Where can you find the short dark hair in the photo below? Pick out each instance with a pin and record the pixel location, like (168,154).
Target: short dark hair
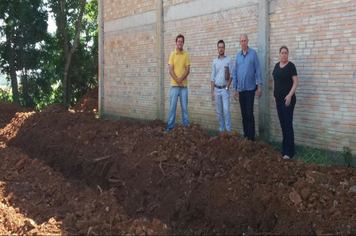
(220,41)
(284,47)
(180,36)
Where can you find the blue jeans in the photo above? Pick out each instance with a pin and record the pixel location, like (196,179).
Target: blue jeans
(285,115)
(247,99)
(222,103)
(183,97)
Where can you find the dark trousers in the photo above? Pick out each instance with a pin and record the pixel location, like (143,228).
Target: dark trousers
(247,99)
(285,115)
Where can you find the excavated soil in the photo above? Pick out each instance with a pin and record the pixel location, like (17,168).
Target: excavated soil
(66,172)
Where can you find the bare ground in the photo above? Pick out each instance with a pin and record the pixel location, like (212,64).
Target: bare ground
(65,172)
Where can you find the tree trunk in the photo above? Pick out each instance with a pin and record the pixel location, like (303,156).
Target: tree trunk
(27,98)
(66,84)
(14,86)
(68,51)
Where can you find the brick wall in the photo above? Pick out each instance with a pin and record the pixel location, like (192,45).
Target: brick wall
(321,36)
(201,35)
(130,64)
(114,9)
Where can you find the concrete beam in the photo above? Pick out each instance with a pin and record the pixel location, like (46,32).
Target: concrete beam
(160,60)
(101,59)
(202,7)
(130,22)
(175,12)
(263,55)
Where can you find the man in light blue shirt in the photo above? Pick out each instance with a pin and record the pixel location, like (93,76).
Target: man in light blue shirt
(220,83)
(246,68)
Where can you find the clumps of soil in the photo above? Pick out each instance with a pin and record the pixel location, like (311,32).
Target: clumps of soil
(10,130)
(74,173)
(89,103)
(53,108)
(8,112)
(37,200)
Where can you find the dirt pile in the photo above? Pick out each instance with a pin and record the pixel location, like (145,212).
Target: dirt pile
(8,111)
(38,200)
(10,130)
(89,103)
(193,183)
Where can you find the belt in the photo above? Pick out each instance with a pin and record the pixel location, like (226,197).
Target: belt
(220,87)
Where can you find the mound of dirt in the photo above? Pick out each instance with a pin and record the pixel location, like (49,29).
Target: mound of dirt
(8,111)
(37,200)
(194,183)
(11,129)
(89,103)
(53,108)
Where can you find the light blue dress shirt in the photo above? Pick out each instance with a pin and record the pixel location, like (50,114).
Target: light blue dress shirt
(246,67)
(218,71)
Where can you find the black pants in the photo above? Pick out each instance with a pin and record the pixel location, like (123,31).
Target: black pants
(285,115)
(247,99)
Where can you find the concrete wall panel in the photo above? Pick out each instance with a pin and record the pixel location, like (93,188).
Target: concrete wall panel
(201,35)
(130,73)
(321,39)
(321,36)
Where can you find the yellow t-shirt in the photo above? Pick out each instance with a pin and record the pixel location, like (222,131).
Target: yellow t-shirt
(179,61)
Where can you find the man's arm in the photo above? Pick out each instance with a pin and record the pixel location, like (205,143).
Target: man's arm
(257,69)
(186,73)
(212,82)
(212,91)
(174,76)
(259,75)
(234,80)
(231,74)
(229,82)
(234,76)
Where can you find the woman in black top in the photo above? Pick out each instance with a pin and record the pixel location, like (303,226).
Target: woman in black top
(285,83)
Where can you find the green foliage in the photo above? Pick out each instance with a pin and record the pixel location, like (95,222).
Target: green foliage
(313,155)
(42,92)
(25,26)
(346,153)
(308,154)
(321,156)
(5,94)
(83,71)
(40,56)
(84,68)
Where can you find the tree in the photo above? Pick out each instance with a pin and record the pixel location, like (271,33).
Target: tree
(25,25)
(82,71)
(69,48)
(59,67)
(7,48)
(84,68)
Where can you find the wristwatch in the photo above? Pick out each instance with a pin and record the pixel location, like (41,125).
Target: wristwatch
(226,88)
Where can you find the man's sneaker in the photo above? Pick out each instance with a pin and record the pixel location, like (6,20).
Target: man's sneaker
(285,157)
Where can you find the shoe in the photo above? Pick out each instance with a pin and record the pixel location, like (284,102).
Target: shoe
(286,157)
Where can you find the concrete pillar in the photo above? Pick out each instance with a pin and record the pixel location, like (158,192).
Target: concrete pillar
(101,58)
(263,55)
(160,60)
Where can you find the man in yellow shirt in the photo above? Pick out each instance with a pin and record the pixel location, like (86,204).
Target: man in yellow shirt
(179,68)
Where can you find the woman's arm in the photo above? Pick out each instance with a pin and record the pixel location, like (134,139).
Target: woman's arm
(292,91)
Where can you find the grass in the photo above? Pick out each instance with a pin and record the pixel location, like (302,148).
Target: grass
(314,155)
(348,159)
(321,156)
